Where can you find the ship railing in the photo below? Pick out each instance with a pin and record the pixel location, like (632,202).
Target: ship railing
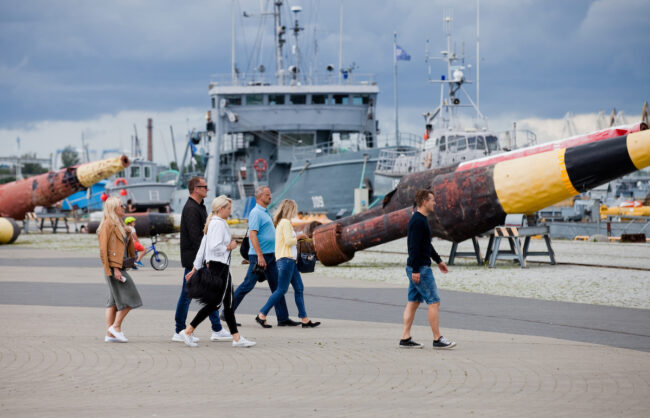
(406,139)
(398,161)
(260,79)
(519,138)
(305,152)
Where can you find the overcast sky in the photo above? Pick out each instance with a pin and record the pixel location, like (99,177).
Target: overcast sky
(73,66)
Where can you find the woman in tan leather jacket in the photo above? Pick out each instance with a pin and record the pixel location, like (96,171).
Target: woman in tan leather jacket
(116,244)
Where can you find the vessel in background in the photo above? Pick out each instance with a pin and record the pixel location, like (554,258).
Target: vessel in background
(309,135)
(455,131)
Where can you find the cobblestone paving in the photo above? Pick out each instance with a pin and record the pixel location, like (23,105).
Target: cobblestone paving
(53,362)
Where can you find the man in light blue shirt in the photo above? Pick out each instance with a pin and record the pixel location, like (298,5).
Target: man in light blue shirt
(262,251)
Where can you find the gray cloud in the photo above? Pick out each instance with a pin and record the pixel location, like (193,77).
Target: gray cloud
(74,59)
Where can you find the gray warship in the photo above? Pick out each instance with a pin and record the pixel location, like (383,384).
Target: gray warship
(310,136)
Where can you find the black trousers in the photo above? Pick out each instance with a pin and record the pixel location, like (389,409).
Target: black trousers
(217,269)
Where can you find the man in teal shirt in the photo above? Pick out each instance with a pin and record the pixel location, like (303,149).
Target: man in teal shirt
(262,251)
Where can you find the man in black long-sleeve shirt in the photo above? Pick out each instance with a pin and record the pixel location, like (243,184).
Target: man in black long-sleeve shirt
(422,285)
(192,222)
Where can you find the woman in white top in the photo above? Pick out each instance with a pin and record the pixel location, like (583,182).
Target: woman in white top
(216,288)
(286,254)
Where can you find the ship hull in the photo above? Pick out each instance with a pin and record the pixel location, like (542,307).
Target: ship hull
(327,185)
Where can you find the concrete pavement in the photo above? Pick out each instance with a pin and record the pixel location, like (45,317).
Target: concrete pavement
(53,361)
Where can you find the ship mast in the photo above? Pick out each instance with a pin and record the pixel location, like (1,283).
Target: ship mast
(279,42)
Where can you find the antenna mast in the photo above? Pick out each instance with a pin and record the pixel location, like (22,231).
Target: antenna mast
(478,58)
(296,31)
(340,42)
(232,47)
(279,41)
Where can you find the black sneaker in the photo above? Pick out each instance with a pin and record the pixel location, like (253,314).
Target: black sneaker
(409,343)
(443,343)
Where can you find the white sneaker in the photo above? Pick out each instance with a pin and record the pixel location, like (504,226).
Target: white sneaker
(108,339)
(177,337)
(243,342)
(187,339)
(119,336)
(222,335)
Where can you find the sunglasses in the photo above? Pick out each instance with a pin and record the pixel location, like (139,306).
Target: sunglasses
(203,187)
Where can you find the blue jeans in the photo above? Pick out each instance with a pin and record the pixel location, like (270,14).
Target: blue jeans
(183,306)
(426,290)
(287,273)
(251,280)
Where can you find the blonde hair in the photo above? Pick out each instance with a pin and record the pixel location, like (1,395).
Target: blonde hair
(110,214)
(218,203)
(286,210)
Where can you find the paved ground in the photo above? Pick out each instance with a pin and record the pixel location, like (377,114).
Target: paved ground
(53,361)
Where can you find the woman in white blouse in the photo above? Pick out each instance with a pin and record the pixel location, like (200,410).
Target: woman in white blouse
(215,250)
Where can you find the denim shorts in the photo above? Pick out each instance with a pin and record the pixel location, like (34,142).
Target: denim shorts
(426,290)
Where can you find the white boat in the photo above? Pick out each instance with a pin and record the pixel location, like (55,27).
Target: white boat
(451,137)
(145,185)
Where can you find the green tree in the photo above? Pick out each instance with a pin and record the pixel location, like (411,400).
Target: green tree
(69,157)
(32,168)
(200,163)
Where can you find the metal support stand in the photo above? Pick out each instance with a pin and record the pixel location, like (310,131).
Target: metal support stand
(549,251)
(52,216)
(517,253)
(455,253)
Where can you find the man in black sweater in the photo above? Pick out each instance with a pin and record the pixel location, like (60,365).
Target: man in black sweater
(192,222)
(422,285)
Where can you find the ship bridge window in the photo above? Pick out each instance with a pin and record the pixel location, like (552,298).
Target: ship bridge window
(276,99)
(319,99)
(147,172)
(461,143)
(298,99)
(233,100)
(254,99)
(360,99)
(340,99)
(443,146)
(135,171)
(214,102)
(492,142)
(476,142)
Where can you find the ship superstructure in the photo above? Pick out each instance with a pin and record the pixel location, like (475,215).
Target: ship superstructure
(455,131)
(309,137)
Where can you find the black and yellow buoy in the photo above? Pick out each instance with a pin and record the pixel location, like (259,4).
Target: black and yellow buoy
(9,230)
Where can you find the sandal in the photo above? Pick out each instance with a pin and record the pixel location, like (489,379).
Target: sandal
(310,324)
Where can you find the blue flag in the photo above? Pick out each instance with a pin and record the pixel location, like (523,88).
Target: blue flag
(401,54)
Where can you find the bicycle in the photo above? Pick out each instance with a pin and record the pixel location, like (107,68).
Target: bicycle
(159,259)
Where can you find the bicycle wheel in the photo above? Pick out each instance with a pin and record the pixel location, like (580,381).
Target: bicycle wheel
(159,262)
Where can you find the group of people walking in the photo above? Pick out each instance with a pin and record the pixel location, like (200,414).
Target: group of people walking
(206,246)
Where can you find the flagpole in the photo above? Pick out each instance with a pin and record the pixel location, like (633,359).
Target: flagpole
(395,86)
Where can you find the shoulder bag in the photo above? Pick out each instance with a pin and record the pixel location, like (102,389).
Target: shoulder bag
(306,257)
(245,246)
(206,287)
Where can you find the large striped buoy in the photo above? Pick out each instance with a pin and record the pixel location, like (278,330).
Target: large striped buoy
(9,230)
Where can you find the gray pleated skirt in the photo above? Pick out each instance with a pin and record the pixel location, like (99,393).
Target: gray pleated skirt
(122,295)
